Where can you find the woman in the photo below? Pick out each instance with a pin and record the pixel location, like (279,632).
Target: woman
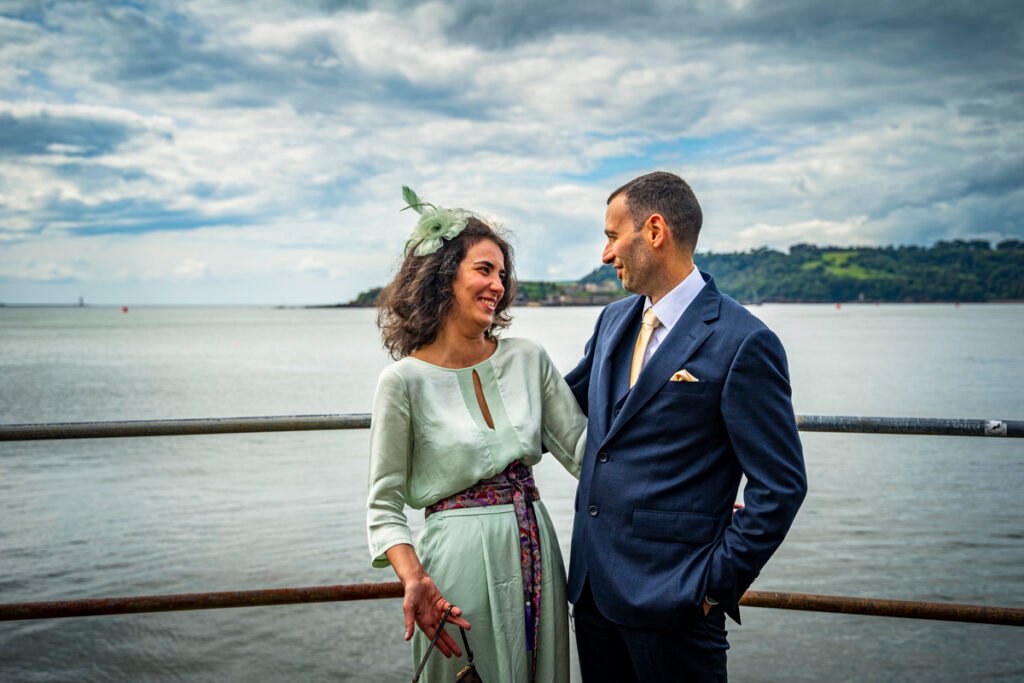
(457,423)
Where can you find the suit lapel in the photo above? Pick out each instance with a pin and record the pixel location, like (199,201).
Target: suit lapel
(687,335)
(610,367)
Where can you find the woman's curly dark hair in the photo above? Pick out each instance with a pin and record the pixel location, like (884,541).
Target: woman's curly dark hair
(412,308)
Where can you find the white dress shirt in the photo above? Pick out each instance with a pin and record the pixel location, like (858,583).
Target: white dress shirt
(671,308)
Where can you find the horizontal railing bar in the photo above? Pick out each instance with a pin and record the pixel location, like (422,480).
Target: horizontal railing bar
(980,614)
(60,609)
(911,425)
(877,607)
(290,423)
(213,425)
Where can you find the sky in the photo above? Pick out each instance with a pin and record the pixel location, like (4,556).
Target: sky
(221,152)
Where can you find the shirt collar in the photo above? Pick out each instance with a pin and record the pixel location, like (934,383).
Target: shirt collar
(670,308)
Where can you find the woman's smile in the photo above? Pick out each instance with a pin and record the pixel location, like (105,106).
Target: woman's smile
(489,302)
(478,286)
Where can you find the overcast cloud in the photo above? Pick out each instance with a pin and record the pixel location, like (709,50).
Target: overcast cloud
(221,152)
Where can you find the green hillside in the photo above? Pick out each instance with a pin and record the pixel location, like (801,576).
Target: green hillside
(947,271)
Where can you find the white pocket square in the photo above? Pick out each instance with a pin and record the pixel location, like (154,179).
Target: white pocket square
(683,376)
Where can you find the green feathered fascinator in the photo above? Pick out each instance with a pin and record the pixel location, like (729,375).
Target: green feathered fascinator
(436,224)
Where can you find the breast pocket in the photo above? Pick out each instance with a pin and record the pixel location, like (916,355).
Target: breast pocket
(688,402)
(686,388)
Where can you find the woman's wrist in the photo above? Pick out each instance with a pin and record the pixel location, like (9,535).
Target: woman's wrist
(406,564)
(413,577)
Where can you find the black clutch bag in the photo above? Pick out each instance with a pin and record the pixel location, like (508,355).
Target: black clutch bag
(468,673)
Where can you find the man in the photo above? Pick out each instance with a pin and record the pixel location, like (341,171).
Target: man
(679,408)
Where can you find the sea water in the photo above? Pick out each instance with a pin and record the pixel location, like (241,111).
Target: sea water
(899,517)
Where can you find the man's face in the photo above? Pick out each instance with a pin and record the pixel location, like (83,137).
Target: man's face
(626,250)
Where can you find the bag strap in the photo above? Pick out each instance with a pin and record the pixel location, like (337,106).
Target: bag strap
(465,641)
(433,642)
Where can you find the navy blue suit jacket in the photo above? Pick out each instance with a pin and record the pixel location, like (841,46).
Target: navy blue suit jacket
(654,530)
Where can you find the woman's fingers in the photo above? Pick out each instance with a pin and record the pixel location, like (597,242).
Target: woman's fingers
(450,645)
(458,621)
(445,644)
(410,620)
(425,606)
(430,620)
(455,617)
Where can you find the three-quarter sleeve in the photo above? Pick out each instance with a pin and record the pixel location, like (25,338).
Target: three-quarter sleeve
(390,450)
(563,425)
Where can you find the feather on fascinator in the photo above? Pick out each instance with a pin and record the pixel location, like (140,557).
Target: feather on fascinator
(436,224)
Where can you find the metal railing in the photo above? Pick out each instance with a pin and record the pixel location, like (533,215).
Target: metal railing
(941,611)
(984,614)
(296,423)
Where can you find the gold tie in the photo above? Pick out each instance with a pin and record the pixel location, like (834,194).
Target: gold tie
(647,326)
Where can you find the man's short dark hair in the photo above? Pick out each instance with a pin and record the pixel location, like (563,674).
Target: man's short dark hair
(669,195)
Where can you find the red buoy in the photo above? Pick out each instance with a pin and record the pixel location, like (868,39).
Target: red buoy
(124,309)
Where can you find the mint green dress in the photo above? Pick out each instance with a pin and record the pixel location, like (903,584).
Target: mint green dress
(429,440)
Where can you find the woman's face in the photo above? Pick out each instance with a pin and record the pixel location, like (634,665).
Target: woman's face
(477,286)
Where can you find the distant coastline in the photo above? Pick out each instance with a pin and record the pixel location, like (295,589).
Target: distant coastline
(947,272)
(958,271)
(7,305)
(590,302)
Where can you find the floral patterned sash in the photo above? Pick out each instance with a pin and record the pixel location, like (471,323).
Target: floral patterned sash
(513,485)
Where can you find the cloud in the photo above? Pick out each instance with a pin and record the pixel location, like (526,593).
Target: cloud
(191,269)
(316,267)
(33,271)
(269,139)
(837,233)
(68,130)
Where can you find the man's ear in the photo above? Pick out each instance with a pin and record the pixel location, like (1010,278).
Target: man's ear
(657,231)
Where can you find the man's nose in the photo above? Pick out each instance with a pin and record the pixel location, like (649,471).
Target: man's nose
(607,256)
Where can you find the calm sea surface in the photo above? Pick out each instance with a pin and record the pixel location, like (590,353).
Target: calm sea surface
(920,518)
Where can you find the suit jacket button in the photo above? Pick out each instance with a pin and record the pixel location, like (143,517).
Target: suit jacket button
(592,510)
(602,456)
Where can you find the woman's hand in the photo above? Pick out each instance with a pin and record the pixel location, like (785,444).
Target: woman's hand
(423,604)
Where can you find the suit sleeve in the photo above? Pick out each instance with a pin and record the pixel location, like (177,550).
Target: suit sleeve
(758,412)
(579,377)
